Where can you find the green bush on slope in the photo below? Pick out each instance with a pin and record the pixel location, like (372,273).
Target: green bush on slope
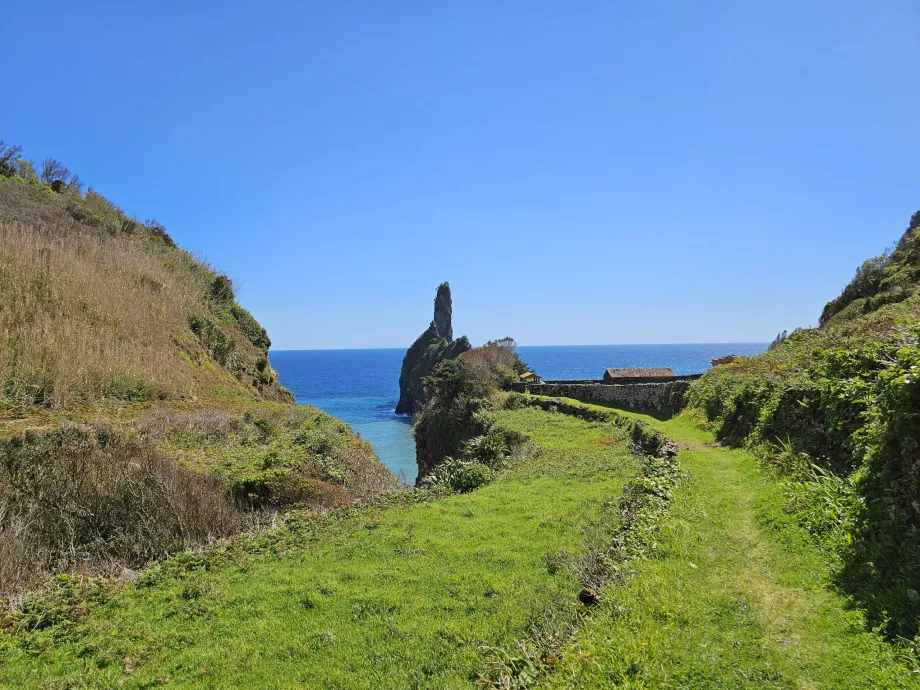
(457,394)
(846,396)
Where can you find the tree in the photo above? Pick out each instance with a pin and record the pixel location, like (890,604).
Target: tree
(56,174)
(26,170)
(75,184)
(9,159)
(222,290)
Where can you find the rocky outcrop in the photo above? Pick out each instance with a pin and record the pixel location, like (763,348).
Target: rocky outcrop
(434,345)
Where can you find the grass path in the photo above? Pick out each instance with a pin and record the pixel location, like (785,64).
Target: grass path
(406,596)
(737,597)
(401,597)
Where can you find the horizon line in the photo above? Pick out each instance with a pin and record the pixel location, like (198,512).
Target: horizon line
(356,349)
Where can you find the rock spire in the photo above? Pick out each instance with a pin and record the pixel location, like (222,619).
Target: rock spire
(431,347)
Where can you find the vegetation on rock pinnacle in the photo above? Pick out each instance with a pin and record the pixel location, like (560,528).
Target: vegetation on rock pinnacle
(433,346)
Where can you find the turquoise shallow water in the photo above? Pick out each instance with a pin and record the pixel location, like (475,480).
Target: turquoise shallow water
(362,386)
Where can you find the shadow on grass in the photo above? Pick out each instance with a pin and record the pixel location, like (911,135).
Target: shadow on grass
(881,567)
(654,414)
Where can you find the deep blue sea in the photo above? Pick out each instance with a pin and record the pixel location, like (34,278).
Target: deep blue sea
(362,386)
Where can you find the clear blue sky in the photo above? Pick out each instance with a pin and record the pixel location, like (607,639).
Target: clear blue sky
(581,172)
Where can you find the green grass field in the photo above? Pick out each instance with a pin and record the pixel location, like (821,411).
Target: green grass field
(424,594)
(737,597)
(399,597)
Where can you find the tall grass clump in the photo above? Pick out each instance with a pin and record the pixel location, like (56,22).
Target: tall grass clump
(99,306)
(97,499)
(87,317)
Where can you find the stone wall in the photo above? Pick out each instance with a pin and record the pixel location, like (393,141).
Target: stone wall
(660,397)
(628,380)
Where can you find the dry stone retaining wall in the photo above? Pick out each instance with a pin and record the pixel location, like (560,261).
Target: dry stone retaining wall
(660,397)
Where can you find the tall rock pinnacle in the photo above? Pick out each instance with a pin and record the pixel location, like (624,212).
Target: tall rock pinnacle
(442,312)
(431,347)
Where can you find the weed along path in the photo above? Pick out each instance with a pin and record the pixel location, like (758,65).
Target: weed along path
(403,596)
(736,597)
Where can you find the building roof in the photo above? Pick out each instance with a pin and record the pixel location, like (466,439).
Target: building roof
(727,359)
(528,375)
(648,372)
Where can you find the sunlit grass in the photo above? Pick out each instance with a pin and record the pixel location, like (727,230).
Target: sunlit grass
(398,597)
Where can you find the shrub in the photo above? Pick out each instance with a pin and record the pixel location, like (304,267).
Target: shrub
(457,391)
(314,440)
(458,475)
(866,282)
(782,337)
(218,344)
(9,159)
(221,290)
(850,413)
(253,330)
(494,365)
(283,487)
(489,450)
(158,231)
(97,497)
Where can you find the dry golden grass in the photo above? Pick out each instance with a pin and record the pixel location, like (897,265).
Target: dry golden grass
(88,316)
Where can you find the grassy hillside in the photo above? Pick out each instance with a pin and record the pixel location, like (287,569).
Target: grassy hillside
(837,409)
(98,306)
(416,593)
(139,414)
(169,517)
(582,564)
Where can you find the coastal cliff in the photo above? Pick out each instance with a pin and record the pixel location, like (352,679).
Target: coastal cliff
(139,412)
(433,346)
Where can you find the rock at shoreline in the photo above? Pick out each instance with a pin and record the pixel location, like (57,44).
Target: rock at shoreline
(431,347)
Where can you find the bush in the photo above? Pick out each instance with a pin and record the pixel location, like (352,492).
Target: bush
(457,391)
(221,290)
(494,365)
(218,344)
(99,498)
(253,330)
(315,440)
(284,487)
(157,230)
(458,475)
(9,163)
(489,450)
(851,437)
(866,282)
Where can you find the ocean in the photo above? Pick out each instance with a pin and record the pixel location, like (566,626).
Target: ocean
(361,387)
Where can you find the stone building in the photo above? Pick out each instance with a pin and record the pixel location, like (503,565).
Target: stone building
(612,376)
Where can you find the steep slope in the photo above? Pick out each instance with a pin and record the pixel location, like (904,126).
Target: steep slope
(433,346)
(836,408)
(101,307)
(139,413)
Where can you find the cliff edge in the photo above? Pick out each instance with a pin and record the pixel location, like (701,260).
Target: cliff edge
(434,345)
